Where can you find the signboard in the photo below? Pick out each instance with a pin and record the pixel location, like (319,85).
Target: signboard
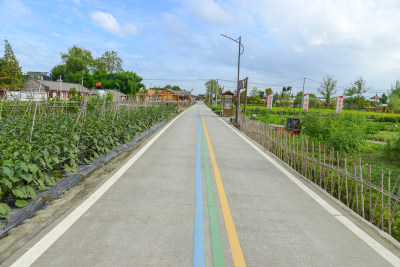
(306,100)
(270,96)
(243,84)
(339,104)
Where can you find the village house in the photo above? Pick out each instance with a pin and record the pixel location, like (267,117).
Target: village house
(38,75)
(164,96)
(42,89)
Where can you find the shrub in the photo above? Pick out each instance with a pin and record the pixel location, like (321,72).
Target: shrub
(393,147)
(344,132)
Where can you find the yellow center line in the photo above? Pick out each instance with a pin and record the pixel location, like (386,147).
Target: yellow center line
(237,255)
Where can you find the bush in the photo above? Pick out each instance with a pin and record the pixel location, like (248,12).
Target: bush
(373,128)
(393,147)
(343,132)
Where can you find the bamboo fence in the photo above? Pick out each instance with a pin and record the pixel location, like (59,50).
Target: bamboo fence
(374,198)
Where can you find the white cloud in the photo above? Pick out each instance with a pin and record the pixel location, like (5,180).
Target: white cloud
(108,23)
(209,11)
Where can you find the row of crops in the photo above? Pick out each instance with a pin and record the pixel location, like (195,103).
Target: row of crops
(376,117)
(38,145)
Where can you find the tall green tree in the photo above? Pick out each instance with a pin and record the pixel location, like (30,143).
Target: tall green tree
(384,98)
(286,90)
(356,92)
(109,62)
(394,97)
(328,89)
(212,87)
(56,71)
(254,96)
(77,60)
(10,71)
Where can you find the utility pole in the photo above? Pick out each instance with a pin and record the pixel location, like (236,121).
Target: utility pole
(216,92)
(302,97)
(239,41)
(238,89)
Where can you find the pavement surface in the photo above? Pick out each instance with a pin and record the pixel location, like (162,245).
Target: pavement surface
(199,194)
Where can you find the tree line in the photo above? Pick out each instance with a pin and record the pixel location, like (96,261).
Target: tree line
(77,66)
(354,95)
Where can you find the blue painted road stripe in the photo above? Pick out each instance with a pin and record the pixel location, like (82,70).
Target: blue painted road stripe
(198,242)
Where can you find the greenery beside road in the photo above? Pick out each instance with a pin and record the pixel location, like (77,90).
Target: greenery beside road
(37,148)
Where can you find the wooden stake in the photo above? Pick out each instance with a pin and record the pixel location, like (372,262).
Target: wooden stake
(362,190)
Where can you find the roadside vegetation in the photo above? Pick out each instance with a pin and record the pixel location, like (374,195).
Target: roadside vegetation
(42,141)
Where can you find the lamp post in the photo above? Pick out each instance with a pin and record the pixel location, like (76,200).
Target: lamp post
(239,41)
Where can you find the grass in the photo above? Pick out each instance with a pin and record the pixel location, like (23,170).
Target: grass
(375,155)
(383,136)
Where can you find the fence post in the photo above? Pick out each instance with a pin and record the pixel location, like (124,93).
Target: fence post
(362,190)
(345,180)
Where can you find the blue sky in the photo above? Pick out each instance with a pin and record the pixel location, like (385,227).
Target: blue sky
(179,41)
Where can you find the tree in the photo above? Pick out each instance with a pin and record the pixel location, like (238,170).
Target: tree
(327,89)
(268,90)
(394,102)
(56,71)
(396,88)
(77,60)
(286,90)
(360,87)
(356,93)
(212,87)
(176,88)
(254,95)
(383,99)
(394,97)
(10,71)
(312,100)
(298,98)
(109,62)
(275,99)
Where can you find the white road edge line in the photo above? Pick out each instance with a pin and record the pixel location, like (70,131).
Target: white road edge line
(375,245)
(43,244)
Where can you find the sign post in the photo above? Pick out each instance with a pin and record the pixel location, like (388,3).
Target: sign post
(245,94)
(270,96)
(339,104)
(306,100)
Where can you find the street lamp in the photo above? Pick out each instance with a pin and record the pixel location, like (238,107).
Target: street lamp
(239,41)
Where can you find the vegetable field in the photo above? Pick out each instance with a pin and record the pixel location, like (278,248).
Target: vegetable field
(41,141)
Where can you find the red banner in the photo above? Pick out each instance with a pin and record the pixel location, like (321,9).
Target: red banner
(305,104)
(339,104)
(270,95)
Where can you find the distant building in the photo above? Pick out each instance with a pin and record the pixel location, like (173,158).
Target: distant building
(38,75)
(49,89)
(164,96)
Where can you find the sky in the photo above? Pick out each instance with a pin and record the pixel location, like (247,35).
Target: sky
(179,42)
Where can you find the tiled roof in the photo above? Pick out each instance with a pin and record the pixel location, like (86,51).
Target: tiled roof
(63,86)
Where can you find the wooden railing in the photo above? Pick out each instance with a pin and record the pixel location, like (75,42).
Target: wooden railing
(349,180)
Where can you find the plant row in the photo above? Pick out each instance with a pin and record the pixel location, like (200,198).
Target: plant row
(37,150)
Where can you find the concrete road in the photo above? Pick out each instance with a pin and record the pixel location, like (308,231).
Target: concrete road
(201,195)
